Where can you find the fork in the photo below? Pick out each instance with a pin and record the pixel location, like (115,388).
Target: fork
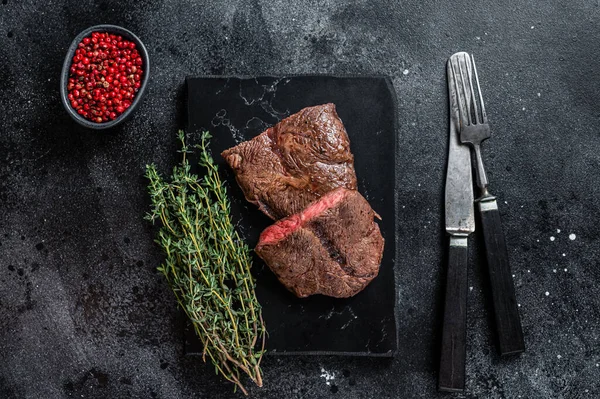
(474,129)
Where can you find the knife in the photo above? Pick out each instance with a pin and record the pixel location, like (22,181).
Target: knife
(460,222)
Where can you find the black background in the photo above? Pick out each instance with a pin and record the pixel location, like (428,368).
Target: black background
(82,310)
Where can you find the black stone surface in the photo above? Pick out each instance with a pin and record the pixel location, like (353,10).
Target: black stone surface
(235,110)
(82,310)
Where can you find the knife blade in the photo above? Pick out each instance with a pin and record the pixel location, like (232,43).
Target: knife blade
(460,222)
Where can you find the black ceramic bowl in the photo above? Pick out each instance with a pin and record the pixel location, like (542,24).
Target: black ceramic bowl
(64,78)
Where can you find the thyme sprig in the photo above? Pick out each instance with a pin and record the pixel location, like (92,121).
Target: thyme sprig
(207,264)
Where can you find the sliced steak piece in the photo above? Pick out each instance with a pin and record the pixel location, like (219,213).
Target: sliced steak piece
(333,247)
(294,162)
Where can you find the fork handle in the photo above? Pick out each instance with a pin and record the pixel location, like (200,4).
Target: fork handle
(454,330)
(508,321)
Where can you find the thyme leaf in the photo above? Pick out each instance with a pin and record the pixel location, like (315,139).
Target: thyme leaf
(207,264)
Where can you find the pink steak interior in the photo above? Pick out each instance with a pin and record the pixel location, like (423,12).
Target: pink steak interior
(284,227)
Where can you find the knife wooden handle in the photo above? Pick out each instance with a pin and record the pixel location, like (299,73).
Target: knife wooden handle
(508,321)
(454,333)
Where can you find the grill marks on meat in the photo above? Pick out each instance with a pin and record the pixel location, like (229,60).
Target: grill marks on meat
(293,163)
(320,232)
(333,247)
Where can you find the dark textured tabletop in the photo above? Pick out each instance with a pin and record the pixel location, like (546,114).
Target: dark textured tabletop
(83,312)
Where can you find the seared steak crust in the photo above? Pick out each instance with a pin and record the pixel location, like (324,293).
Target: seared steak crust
(294,162)
(333,247)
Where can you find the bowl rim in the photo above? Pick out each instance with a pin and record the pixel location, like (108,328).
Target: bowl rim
(64,78)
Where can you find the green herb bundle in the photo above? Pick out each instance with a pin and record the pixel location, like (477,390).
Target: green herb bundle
(208,265)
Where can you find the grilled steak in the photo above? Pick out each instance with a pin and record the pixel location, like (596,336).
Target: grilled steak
(293,163)
(333,247)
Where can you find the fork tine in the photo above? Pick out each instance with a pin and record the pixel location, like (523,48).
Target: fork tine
(468,108)
(483,114)
(460,104)
(473,99)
